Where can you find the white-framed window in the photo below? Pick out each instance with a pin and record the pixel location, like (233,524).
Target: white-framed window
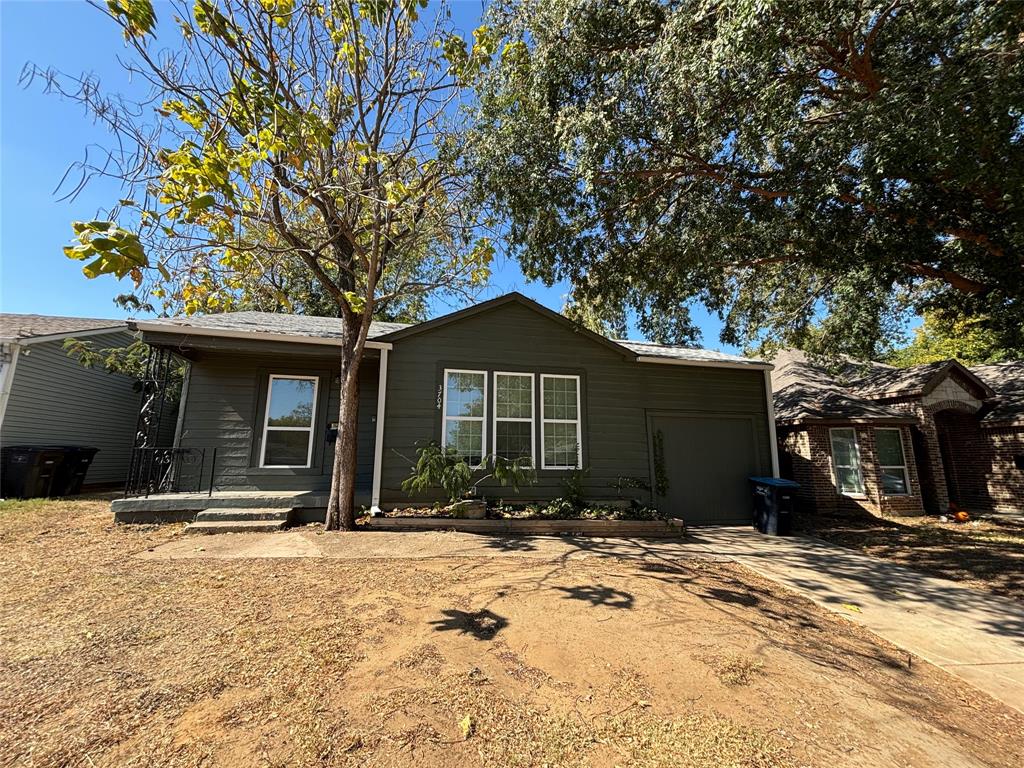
(464,408)
(288,421)
(561,446)
(513,415)
(892,462)
(846,460)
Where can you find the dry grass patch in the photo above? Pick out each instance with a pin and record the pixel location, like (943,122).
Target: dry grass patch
(735,669)
(108,659)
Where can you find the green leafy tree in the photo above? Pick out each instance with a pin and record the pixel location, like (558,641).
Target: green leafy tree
(946,338)
(791,165)
(332,124)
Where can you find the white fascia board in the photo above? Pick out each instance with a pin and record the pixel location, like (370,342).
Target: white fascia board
(706,363)
(772,436)
(72,335)
(187,330)
(7,378)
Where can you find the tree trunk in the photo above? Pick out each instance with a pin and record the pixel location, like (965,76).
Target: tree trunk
(341,505)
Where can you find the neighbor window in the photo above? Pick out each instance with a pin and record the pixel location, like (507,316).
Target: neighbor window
(846,461)
(560,422)
(289,420)
(465,397)
(513,415)
(889,443)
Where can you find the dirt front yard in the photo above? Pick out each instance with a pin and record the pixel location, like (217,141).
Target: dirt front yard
(987,552)
(107,659)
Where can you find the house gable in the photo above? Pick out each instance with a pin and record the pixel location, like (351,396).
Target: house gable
(514,305)
(952,388)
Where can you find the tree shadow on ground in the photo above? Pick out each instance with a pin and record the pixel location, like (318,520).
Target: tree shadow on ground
(599,595)
(511,544)
(483,625)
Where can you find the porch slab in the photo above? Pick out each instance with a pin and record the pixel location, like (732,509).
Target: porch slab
(183,507)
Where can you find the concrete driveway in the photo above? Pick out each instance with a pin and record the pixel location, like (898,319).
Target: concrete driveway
(971,634)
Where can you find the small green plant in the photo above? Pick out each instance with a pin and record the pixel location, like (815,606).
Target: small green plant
(623,483)
(447,470)
(572,488)
(660,473)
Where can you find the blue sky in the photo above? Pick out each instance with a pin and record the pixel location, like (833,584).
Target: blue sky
(42,136)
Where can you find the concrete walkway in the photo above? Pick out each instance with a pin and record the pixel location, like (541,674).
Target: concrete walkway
(976,636)
(971,634)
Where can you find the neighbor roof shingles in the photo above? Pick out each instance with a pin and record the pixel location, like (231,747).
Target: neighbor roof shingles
(1007,379)
(16,327)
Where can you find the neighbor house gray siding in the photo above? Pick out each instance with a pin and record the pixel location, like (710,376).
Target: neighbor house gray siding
(225,406)
(616,396)
(56,401)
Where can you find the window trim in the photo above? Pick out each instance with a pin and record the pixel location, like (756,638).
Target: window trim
(578,421)
(445,418)
(533,413)
(835,466)
(311,429)
(903,467)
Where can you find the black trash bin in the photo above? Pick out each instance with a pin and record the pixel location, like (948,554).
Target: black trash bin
(29,471)
(71,472)
(773,504)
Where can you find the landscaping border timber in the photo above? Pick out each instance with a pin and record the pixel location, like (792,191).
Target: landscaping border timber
(655,529)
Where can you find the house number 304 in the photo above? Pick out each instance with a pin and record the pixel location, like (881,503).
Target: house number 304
(440,391)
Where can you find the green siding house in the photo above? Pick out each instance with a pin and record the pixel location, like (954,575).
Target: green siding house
(48,398)
(507,376)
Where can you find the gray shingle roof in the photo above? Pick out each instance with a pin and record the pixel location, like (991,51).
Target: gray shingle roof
(328,327)
(649,349)
(1007,379)
(270,322)
(18,327)
(799,402)
(804,391)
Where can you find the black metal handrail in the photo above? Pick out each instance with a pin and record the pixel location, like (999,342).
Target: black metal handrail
(154,471)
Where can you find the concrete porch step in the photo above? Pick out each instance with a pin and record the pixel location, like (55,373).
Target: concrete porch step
(244,513)
(241,520)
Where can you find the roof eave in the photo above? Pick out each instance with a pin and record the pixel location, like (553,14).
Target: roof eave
(225,333)
(753,365)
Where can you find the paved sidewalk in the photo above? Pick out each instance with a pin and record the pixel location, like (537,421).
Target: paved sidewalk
(963,630)
(977,636)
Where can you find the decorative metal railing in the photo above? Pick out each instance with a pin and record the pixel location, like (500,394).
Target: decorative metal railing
(154,471)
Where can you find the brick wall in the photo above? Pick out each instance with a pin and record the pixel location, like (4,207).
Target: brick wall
(808,460)
(982,474)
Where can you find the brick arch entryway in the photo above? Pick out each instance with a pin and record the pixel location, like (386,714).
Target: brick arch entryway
(959,441)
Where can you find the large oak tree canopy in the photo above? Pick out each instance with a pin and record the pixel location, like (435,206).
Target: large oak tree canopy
(809,170)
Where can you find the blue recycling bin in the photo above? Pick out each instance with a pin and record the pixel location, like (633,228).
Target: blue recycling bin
(773,504)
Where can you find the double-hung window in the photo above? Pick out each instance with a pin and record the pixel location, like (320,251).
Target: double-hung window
(288,421)
(891,462)
(513,415)
(560,422)
(846,461)
(465,414)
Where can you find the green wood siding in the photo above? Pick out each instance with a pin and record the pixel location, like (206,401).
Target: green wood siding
(616,394)
(55,400)
(225,408)
(225,402)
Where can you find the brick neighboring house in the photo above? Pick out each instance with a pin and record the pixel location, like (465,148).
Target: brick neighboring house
(901,441)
